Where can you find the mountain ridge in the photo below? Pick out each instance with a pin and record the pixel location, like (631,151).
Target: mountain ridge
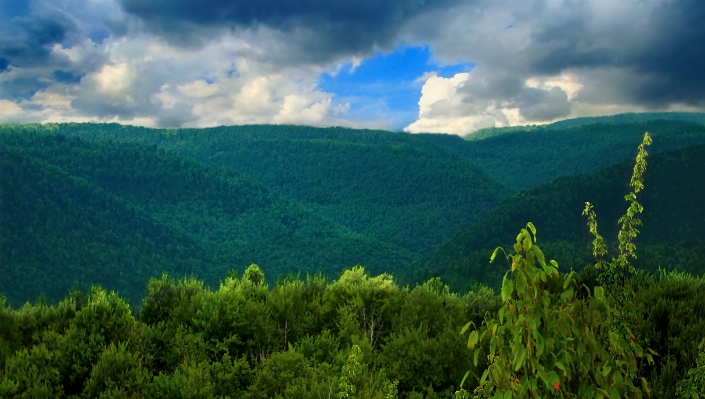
(669,237)
(138,213)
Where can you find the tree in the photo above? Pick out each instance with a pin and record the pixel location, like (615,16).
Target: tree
(693,385)
(613,275)
(553,343)
(545,343)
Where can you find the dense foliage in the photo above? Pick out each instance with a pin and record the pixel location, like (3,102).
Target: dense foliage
(359,335)
(396,188)
(554,345)
(574,338)
(77,213)
(243,340)
(669,238)
(551,152)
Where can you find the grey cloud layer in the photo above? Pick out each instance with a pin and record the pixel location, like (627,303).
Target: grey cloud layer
(662,45)
(318,30)
(646,54)
(643,54)
(29,30)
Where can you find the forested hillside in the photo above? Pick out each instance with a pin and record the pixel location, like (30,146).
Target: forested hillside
(670,238)
(394,187)
(75,213)
(619,119)
(550,152)
(78,213)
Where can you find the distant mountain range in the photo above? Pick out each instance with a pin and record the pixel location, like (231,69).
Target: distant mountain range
(523,159)
(619,119)
(75,213)
(110,204)
(397,188)
(670,237)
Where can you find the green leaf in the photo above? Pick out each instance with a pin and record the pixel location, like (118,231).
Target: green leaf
(476,357)
(540,256)
(508,394)
(520,359)
(540,343)
(526,243)
(493,346)
(645,386)
(568,279)
(494,254)
(472,340)
(560,366)
(606,371)
(464,378)
(532,228)
(507,288)
(649,358)
(465,328)
(553,378)
(638,350)
(617,379)
(599,292)
(520,283)
(483,379)
(567,295)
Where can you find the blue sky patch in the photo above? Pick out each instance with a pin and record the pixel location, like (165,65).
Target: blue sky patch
(384,87)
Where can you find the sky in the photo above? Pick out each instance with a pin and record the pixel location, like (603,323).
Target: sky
(437,66)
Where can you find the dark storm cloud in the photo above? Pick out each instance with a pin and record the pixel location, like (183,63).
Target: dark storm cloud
(616,56)
(664,50)
(676,54)
(29,32)
(26,41)
(319,29)
(543,105)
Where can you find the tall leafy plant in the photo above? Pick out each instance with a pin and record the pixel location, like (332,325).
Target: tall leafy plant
(613,274)
(544,344)
(548,342)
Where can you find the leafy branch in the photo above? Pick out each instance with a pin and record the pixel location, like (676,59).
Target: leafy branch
(613,274)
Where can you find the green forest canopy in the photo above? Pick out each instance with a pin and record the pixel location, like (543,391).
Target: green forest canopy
(296,339)
(393,187)
(669,238)
(78,213)
(552,152)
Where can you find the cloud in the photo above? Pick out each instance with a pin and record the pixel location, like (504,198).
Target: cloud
(89,61)
(9,110)
(314,30)
(543,61)
(479,99)
(184,63)
(40,43)
(443,107)
(149,82)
